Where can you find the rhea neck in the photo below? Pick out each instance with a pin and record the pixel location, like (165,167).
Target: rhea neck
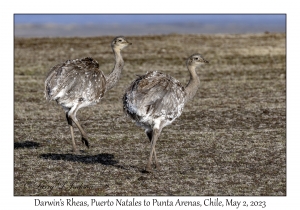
(115,74)
(193,84)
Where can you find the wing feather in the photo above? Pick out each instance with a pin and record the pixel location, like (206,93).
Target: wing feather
(155,94)
(78,79)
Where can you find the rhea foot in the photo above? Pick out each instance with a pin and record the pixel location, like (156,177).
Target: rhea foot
(85,141)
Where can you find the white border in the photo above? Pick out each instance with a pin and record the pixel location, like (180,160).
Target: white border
(154,6)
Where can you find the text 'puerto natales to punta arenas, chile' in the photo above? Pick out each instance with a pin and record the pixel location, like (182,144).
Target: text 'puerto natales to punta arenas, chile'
(149,202)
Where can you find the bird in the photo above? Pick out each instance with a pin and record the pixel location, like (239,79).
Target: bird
(154,100)
(79,83)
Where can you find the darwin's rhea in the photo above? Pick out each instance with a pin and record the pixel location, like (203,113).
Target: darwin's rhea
(78,83)
(155,100)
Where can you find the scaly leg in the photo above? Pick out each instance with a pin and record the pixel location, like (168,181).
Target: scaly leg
(72,132)
(72,115)
(149,134)
(155,135)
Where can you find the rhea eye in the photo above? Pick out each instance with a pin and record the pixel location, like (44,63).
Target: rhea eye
(196,58)
(120,40)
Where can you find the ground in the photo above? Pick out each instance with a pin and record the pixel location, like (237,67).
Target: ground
(229,140)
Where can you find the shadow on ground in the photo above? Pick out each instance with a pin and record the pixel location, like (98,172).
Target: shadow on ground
(105,159)
(26,145)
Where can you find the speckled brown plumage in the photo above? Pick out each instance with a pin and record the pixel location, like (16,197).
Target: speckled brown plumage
(73,80)
(78,83)
(154,94)
(155,100)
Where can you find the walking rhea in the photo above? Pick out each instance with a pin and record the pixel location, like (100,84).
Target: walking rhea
(78,83)
(155,100)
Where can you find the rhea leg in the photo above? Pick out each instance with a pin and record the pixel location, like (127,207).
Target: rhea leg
(72,132)
(155,135)
(149,134)
(72,115)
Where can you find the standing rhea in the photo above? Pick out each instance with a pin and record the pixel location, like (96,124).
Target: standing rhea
(155,100)
(79,83)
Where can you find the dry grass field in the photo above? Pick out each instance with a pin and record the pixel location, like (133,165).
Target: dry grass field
(230,139)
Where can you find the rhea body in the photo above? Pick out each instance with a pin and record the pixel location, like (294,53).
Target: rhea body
(155,100)
(78,83)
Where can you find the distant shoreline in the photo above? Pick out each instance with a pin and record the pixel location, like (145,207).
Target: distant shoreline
(71,30)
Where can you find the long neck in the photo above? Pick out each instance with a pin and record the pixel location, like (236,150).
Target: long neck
(193,84)
(115,75)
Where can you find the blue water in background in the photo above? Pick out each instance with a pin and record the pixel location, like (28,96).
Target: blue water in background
(151,18)
(130,24)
